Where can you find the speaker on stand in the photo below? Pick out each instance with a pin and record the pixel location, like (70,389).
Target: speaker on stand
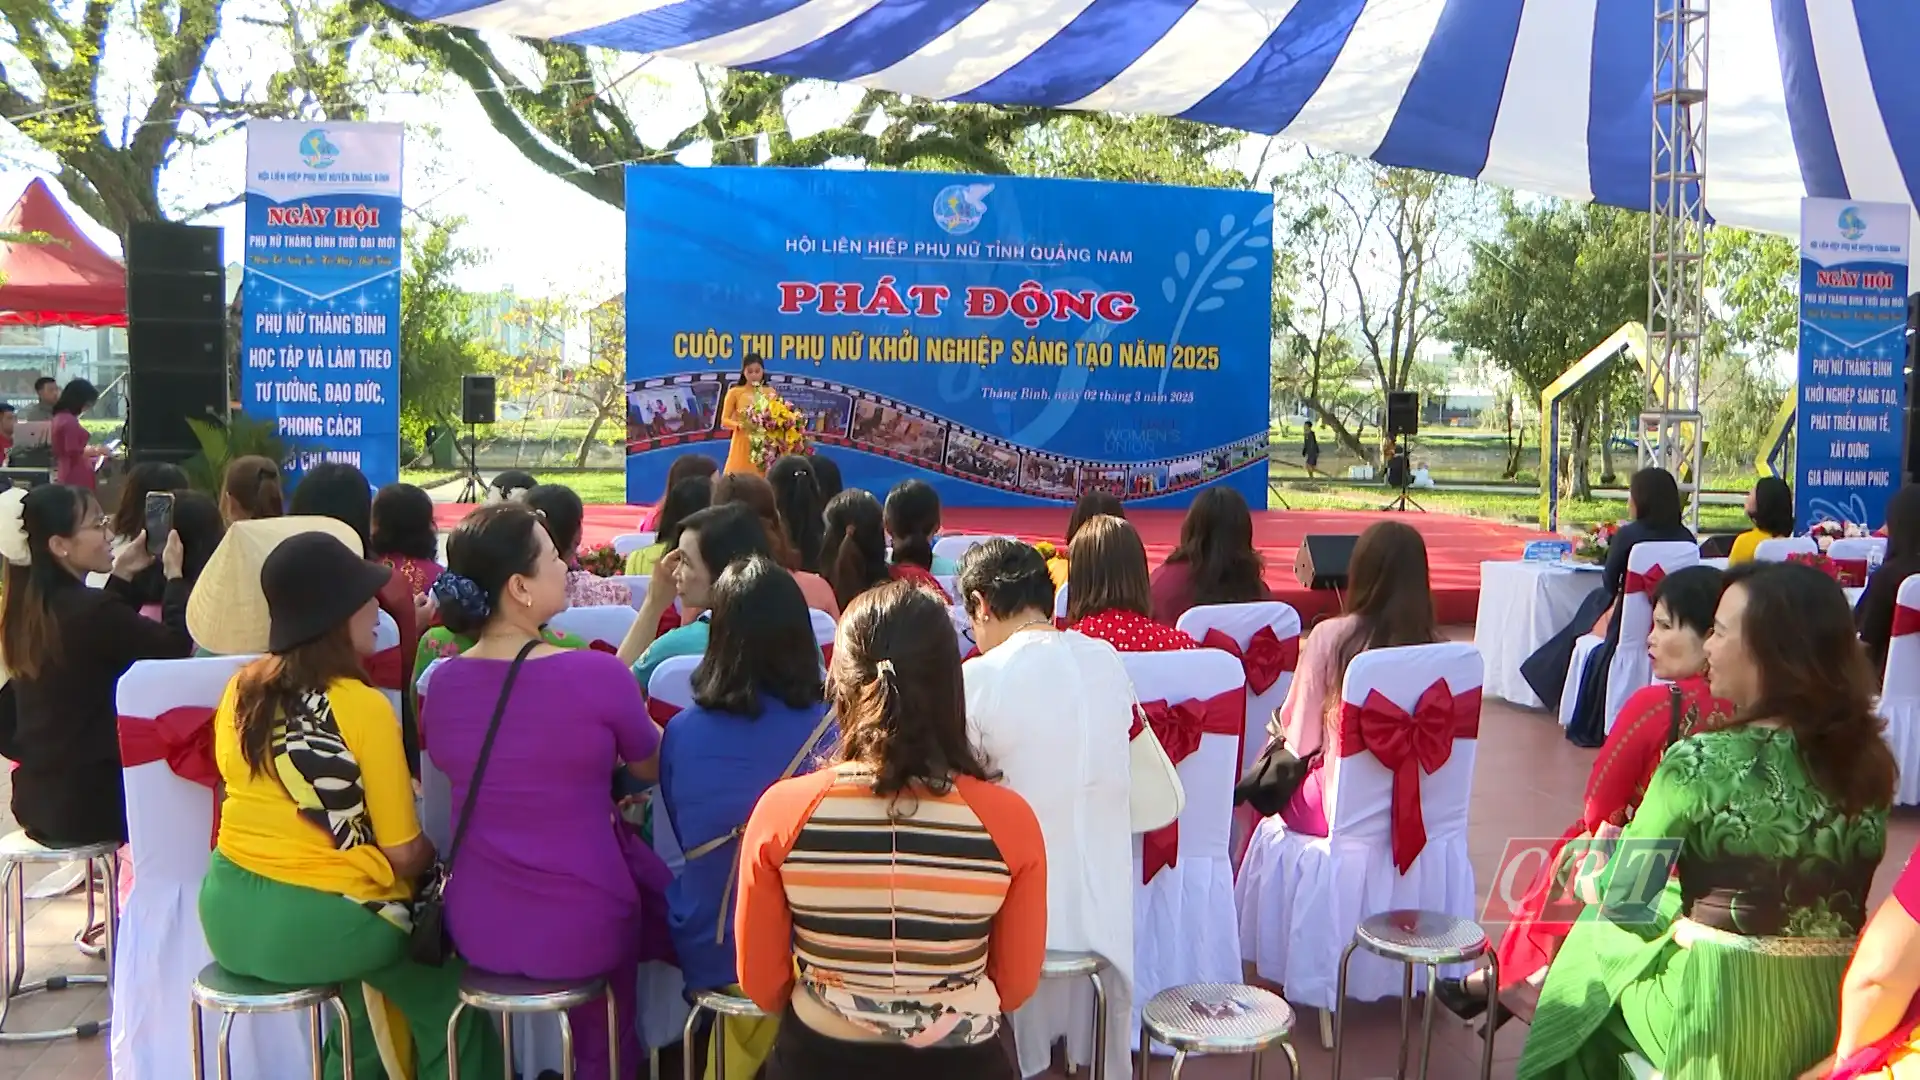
(476,408)
(176,338)
(1403,423)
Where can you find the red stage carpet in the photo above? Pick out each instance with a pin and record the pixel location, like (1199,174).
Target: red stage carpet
(1455,545)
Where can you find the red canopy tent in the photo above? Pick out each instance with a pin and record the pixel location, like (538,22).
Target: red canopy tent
(61,278)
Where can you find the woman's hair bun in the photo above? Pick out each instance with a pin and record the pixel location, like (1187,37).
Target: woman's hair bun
(463,603)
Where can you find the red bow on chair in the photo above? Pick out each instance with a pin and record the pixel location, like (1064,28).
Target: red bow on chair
(1851,573)
(183,738)
(1647,582)
(661,711)
(385,669)
(607,647)
(1265,658)
(1408,745)
(1906,620)
(1179,729)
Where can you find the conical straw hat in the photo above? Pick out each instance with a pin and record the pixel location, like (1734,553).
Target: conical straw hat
(227,613)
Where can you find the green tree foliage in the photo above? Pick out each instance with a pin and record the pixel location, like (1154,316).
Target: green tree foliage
(1751,340)
(439,336)
(116,95)
(570,110)
(1371,254)
(1141,150)
(1555,281)
(551,366)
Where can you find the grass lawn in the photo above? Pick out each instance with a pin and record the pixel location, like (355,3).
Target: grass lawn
(594,485)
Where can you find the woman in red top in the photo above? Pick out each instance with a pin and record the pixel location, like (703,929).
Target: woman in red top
(913,517)
(405,536)
(1215,563)
(1650,721)
(72,458)
(1107,592)
(1880,997)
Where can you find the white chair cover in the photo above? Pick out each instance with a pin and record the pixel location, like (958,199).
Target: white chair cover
(1900,695)
(161,946)
(1631,670)
(1060,606)
(1300,897)
(954,547)
(1184,930)
(962,629)
(1570,693)
(949,584)
(1240,622)
(1866,548)
(628,543)
(386,635)
(1779,548)
(608,623)
(823,627)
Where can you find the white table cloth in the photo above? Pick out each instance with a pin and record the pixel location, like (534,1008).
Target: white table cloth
(1522,604)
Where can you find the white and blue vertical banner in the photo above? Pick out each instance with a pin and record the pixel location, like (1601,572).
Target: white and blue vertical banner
(320,347)
(1850,407)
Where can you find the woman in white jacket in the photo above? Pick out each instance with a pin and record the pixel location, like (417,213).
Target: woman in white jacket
(1053,711)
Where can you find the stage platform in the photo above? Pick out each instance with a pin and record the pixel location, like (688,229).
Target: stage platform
(1456,545)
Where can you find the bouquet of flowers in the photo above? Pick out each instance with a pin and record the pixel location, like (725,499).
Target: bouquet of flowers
(603,561)
(773,430)
(1825,533)
(1819,562)
(1594,546)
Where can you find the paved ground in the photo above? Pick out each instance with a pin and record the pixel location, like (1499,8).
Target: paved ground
(1528,784)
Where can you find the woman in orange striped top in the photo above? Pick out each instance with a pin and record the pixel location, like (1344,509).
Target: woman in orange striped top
(893,906)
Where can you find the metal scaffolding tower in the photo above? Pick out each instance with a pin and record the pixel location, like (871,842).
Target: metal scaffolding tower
(1671,431)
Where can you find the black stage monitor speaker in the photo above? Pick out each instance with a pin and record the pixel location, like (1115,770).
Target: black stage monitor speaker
(1322,561)
(176,337)
(1403,413)
(476,399)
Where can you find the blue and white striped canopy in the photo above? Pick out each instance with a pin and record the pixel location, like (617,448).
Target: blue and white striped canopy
(1807,97)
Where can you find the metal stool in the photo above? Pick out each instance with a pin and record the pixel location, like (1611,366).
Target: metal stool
(508,996)
(230,995)
(16,852)
(1423,939)
(1216,1018)
(721,1006)
(1073,965)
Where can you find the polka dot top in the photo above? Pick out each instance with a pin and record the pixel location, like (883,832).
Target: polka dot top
(1129,631)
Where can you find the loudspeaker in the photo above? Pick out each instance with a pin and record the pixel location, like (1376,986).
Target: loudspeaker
(176,337)
(476,399)
(1403,413)
(1322,561)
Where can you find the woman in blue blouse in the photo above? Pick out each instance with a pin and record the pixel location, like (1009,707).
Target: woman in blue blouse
(758,717)
(710,541)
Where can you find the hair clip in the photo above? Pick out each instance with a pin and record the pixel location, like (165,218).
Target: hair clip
(884,669)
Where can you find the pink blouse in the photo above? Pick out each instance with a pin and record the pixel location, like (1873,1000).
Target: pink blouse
(586,589)
(71,465)
(1316,680)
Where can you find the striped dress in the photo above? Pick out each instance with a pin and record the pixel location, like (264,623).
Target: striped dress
(913,921)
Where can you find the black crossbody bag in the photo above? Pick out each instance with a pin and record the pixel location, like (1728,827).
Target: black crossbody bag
(430,943)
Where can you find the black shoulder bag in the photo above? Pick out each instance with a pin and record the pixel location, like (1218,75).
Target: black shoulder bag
(429,943)
(1275,777)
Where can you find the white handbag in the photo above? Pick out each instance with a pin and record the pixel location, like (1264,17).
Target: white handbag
(1155,796)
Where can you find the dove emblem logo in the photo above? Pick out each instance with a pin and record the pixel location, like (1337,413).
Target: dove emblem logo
(959,207)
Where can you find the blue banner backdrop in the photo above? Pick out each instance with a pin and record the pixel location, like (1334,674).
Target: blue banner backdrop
(1850,420)
(1012,341)
(320,338)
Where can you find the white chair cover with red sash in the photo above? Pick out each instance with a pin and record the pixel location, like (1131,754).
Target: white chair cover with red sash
(1647,565)
(607,623)
(1265,635)
(823,631)
(1854,555)
(1900,693)
(637,585)
(1781,548)
(670,687)
(1060,606)
(626,544)
(1183,916)
(956,547)
(384,667)
(1396,805)
(166,744)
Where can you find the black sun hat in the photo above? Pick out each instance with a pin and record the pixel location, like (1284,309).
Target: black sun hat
(313,583)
